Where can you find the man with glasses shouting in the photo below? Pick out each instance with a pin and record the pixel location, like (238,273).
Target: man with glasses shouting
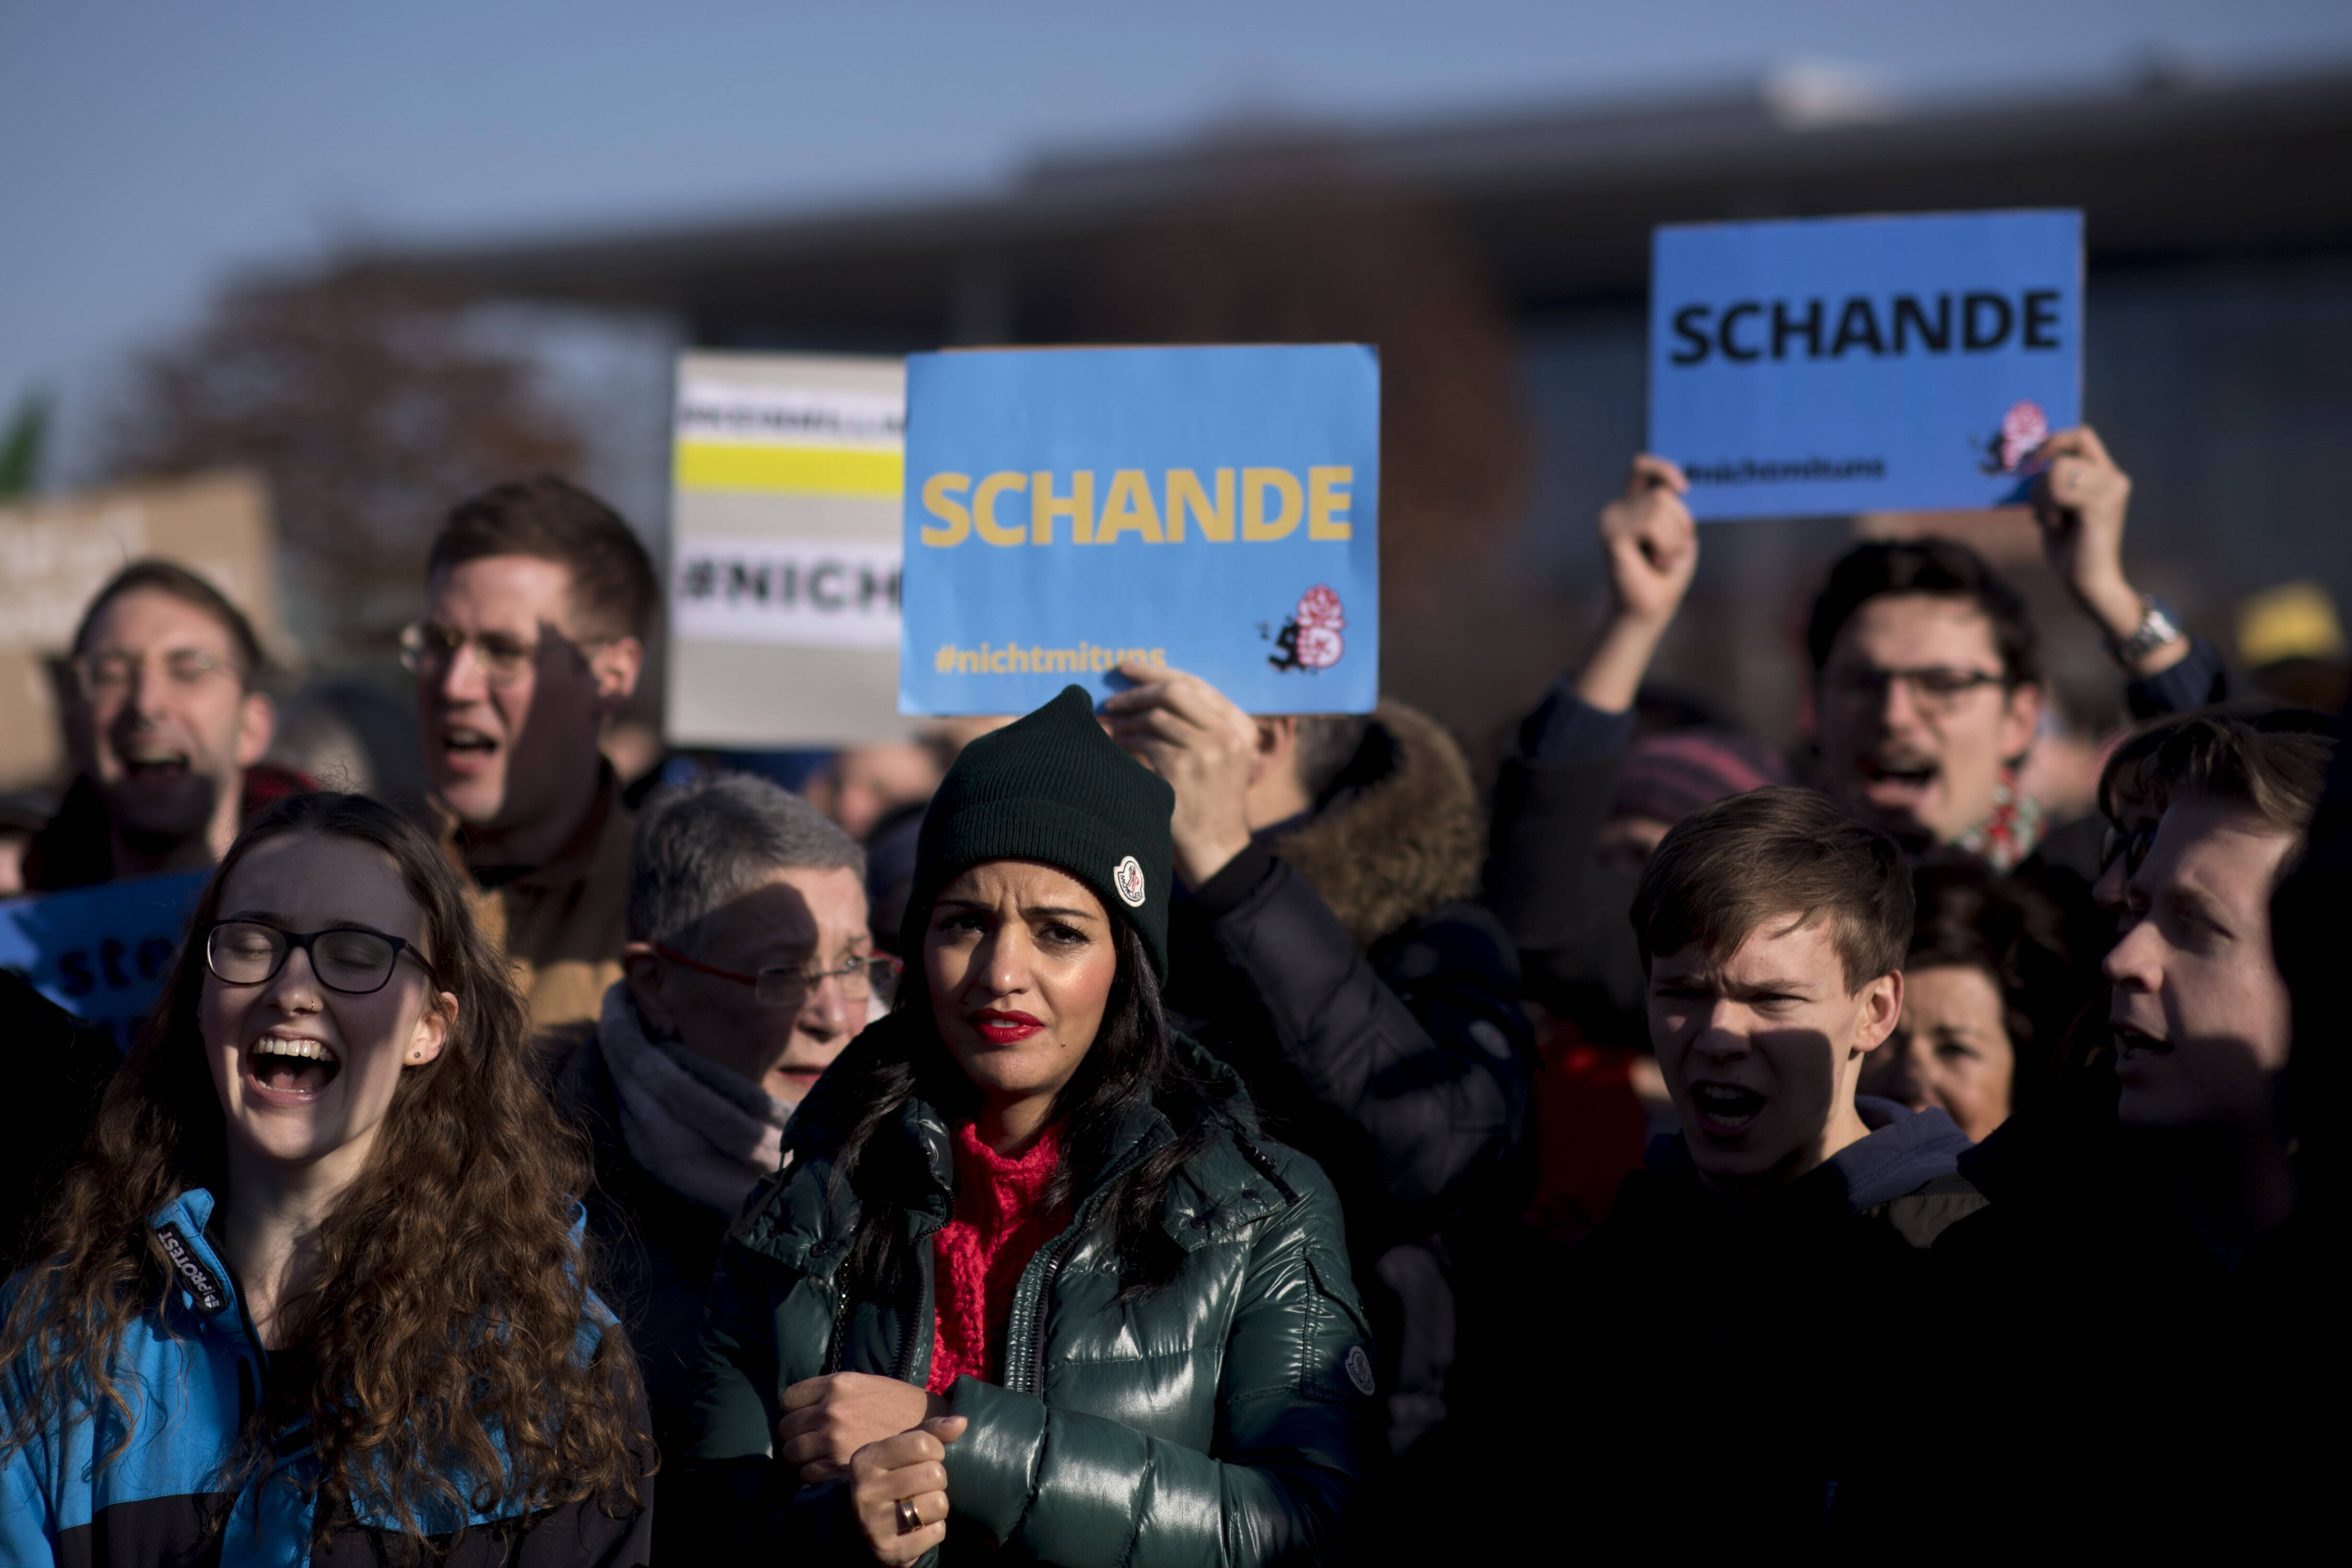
(166,727)
(538,599)
(749,967)
(1928,696)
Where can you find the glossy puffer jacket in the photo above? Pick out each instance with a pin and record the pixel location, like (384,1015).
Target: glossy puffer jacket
(1217,1420)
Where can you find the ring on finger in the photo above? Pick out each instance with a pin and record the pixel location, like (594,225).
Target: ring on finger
(908,1519)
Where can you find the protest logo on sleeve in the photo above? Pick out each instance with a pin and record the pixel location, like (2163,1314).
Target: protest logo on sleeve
(1213,509)
(1825,366)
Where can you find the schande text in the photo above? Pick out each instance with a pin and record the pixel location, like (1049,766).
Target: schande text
(1255,505)
(1979,321)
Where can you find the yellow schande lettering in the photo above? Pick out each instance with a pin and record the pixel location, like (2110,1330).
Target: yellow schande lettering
(937,493)
(1326,502)
(1185,490)
(1255,482)
(983,509)
(1128,505)
(1079,509)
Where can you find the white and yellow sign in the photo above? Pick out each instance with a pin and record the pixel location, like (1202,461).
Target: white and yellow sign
(785,551)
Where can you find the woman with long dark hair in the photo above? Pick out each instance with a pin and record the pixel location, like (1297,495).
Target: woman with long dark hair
(1033,1281)
(316,1288)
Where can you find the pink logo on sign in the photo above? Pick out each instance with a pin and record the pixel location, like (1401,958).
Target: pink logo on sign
(1311,639)
(2022,429)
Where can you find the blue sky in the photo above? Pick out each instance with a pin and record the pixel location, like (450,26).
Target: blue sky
(152,150)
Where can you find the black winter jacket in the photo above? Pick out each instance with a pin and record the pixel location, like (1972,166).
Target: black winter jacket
(1215,1420)
(1339,966)
(1709,1356)
(655,1249)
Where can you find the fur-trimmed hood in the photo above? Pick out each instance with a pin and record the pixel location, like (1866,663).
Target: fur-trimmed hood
(1398,834)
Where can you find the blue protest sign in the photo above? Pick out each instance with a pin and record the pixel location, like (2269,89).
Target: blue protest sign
(1211,509)
(1834,365)
(101,953)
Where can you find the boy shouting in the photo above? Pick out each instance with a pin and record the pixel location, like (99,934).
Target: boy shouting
(1717,1309)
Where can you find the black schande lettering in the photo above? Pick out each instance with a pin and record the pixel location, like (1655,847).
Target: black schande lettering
(1723,332)
(1690,325)
(1897,324)
(2041,318)
(817,594)
(1785,327)
(1936,335)
(1857,325)
(1977,338)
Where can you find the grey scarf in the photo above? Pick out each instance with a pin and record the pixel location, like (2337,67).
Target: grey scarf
(704,1132)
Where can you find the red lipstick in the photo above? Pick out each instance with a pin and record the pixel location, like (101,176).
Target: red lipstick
(1003,1028)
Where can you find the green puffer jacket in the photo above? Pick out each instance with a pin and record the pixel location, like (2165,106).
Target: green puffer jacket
(1215,1421)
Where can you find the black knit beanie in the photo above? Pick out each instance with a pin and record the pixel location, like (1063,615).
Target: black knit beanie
(1051,787)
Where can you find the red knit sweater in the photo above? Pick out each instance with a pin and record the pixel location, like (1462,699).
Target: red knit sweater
(1000,1223)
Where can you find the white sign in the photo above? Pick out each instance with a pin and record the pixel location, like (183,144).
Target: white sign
(796,593)
(785,551)
(789,415)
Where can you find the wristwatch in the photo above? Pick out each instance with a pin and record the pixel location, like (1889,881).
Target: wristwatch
(2158,627)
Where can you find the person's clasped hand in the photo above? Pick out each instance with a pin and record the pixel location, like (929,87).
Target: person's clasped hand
(827,1420)
(898,1490)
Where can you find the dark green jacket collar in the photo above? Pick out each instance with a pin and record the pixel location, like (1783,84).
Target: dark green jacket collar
(808,1218)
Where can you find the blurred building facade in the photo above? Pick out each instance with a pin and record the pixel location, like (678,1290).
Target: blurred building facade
(1502,264)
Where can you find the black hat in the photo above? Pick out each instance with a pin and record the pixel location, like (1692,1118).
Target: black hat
(1051,787)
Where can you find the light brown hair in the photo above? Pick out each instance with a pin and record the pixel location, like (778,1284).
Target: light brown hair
(612,579)
(1729,867)
(446,1317)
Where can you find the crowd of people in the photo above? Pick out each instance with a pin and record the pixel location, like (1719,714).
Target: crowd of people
(1154,1133)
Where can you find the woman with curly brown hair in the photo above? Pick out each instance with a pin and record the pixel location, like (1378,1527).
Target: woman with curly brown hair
(316,1288)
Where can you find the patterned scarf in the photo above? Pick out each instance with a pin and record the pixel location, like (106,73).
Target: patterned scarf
(2005,838)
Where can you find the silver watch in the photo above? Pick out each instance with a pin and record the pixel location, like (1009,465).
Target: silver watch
(2158,627)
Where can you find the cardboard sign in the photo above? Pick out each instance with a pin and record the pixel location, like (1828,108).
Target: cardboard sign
(101,952)
(1215,510)
(783,583)
(56,554)
(1838,365)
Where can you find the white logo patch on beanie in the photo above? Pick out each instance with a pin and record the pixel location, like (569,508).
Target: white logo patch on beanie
(1127,878)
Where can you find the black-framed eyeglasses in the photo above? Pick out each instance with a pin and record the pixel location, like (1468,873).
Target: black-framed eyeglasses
(780,986)
(2129,845)
(428,650)
(1934,688)
(352,960)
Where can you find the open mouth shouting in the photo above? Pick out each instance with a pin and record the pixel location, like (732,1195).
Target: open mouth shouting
(284,1069)
(466,751)
(1725,1109)
(1902,783)
(2135,1046)
(154,765)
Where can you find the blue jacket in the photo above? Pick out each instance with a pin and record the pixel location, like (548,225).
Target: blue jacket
(198,1368)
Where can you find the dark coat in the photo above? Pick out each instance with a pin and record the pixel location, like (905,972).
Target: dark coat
(1216,1419)
(2106,1332)
(654,1248)
(74,848)
(1707,1358)
(63,1067)
(1339,966)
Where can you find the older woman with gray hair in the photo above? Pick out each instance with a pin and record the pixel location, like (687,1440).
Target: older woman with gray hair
(749,966)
